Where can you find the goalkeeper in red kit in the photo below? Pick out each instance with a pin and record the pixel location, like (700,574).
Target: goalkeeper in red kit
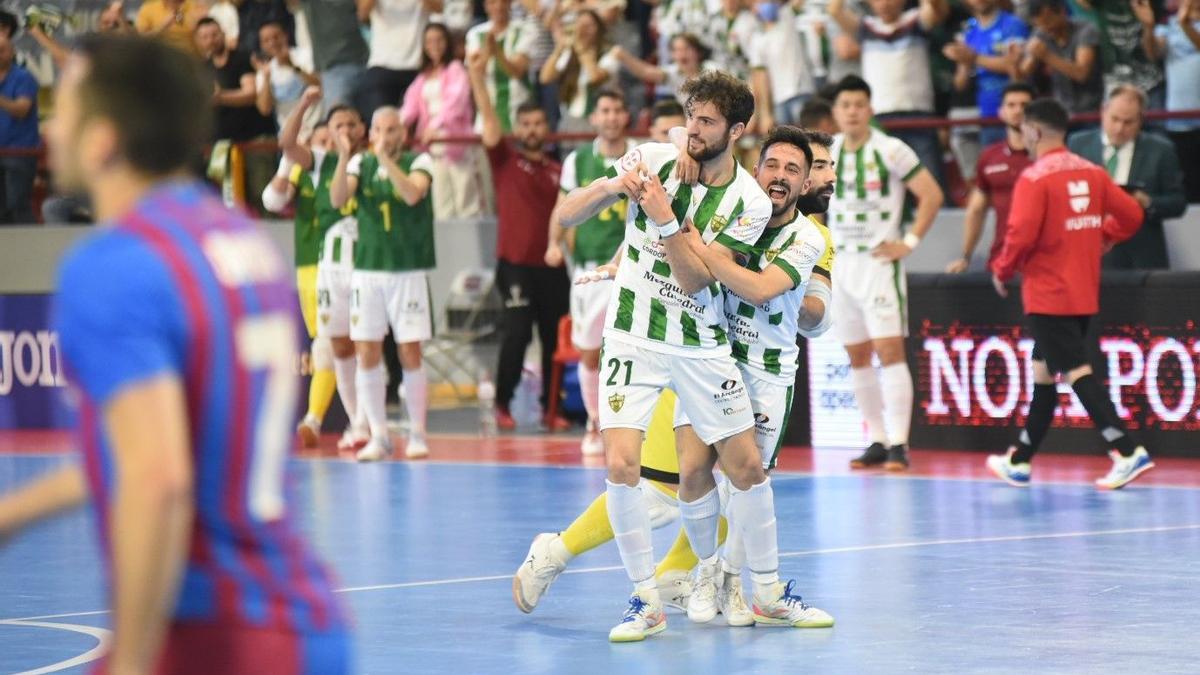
(1066,213)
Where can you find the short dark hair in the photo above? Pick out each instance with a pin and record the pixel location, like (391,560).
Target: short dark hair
(668,107)
(1048,112)
(819,138)
(341,107)
(1018,88)
(426,62)
(204,22)
(851,83)
(9,23)
(730,95)
(614,94)
(529,107)
(158,97)
(273,22)
(814,111)
(1035,7)
(787,134)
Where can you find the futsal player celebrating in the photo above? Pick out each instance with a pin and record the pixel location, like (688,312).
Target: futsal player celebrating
(1066,213)
(664,328)
(293,183)
(592,243)
(177,325)
(335,263)
(875,172)
(392,255)
(550,553)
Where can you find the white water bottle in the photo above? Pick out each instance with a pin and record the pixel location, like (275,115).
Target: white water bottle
(486,392)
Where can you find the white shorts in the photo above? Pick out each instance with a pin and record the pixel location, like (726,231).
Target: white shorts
(710,390)
(400,299)
(772,404)
(870,299)
(588,303)
(333,300)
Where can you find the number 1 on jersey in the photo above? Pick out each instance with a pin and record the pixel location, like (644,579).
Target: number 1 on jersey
(386,209)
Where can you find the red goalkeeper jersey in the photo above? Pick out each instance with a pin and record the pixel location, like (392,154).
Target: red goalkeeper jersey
(1064,211)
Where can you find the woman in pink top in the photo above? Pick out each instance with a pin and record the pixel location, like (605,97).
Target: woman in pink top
(438,104)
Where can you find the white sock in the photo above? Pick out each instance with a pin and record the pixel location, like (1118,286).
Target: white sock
(322,354)
(869,397)
(700,519)
(344,373)
(559,550)
(372,397)
(416,399)
(733,555)
(589,389)
(755,508)
(898,401)
(631,529)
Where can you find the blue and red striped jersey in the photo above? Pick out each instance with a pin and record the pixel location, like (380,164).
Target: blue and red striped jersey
(181,285)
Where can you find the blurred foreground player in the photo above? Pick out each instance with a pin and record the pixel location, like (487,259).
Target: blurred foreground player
(1066,213)
(177,325)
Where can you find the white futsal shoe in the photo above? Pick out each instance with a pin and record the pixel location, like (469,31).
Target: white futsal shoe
(353,439)
(309,431)
(732,603)
(702,606)
(534,576)
(375,450)
(641,620)
(786,609)
(416,447)
(674,587)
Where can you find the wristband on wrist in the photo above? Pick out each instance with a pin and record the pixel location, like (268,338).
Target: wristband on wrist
(911,241)
(667,229)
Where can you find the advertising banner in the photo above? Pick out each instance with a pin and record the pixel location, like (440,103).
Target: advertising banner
(970,353)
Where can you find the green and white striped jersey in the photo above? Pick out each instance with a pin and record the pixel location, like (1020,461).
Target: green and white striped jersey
(763,337)
(507,93)
(648,308)
(868,202)
(598,237)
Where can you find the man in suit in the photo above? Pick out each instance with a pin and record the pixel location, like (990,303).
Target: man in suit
(1142,163)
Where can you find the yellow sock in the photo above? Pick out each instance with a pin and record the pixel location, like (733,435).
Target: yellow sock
(681,557)
(590,529)
(320,393)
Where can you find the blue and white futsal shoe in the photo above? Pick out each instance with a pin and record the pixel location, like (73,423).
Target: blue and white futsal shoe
(1125,469)
(1005,470)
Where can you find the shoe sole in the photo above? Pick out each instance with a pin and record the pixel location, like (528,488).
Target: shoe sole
(308,436)
(638,638)
(855,464)
(518,598)
(895,467)
(1127,481)
(416,455)
(767,621)
(1004,477)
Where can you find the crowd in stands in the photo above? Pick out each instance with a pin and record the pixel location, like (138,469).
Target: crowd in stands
(922,59)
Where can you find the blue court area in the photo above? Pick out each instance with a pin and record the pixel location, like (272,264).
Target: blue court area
(922,575)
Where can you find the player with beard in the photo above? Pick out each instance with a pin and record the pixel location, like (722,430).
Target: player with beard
(550,553)
(1000,165)
(665,329)
(526,179)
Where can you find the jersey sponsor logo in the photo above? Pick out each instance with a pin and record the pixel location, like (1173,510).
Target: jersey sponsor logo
(631,159)
(729,384)
(242,258)
(616,402)
(760,418)
(995,168)
(1079,192)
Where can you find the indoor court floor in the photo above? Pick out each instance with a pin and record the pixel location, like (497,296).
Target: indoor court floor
(942,570)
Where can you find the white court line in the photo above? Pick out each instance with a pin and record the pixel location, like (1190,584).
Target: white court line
(789,554)
(102,639)
(775,473)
